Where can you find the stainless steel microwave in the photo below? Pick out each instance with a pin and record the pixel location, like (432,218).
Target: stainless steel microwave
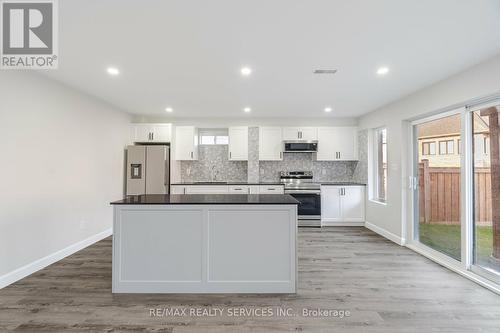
(300,146)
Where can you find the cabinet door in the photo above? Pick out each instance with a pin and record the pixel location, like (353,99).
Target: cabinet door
(142,133)
(291,133)
(186,145)
(206,189)
(327,145)
(353,204)
(308,133)
(349,148)
(177,189)
(270,144)
(239,189)
(331,210)
(238,143)
(162,132)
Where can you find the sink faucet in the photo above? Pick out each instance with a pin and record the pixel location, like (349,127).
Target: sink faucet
(214,173)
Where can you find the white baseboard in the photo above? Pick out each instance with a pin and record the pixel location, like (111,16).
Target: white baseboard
(342,224)
(387,234)
(41,263)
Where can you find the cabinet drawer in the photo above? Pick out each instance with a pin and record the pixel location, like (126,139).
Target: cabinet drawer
(177,189)
(271,189)
(202,189)
(239,189)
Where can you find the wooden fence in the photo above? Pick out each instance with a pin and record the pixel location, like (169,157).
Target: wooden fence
(439,194)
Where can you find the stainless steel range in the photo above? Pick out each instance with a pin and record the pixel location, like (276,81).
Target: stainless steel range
(299,184)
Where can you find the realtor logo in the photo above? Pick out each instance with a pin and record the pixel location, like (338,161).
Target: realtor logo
(29,34)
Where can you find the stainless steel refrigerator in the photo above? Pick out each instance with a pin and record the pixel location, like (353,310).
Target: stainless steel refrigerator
(148,169)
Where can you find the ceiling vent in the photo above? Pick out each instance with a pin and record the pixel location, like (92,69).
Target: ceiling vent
(325,71)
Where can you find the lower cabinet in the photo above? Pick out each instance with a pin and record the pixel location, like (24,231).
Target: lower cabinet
(177,189)
(227,189)
(342,205)
(271,189)
(207,189)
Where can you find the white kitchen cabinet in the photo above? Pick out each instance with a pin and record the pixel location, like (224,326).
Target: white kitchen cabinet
(337,144)
(177,189)
(300,133)
(270,144)
(151,133)
(253,189)
(238,143)
(207,189)
(239,189)
(342,205)
(186,143)
(271,189)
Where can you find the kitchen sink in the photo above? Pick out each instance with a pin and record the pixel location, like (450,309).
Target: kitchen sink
(210,182)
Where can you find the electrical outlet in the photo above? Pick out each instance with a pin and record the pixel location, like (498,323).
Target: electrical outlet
(323,171)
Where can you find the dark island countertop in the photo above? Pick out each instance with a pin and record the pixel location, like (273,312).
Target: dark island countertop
(207,199)
(268,183)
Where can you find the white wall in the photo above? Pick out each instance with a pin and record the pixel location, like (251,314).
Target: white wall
(61,163)
(479,81)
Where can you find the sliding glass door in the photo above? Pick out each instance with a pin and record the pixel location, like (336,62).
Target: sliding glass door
(486,168)
(455,186)
(436,184)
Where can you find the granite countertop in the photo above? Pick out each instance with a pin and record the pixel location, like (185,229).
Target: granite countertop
(227,183)
(207,199)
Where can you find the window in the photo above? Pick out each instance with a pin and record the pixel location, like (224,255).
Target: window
(486,145)
(429,148)
(213,136)
(379,189)
(458,146)
(446,147)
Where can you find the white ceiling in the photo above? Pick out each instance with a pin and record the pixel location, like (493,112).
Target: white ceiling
(187,54)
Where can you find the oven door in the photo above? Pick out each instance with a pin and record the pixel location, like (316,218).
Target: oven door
(309,207)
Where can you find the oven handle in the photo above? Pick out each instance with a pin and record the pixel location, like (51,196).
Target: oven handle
(303,191)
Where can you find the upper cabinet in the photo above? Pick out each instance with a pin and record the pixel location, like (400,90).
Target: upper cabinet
(337,144)
(270,144)
(238,143)
(186,143)
(300,133)
(151,132)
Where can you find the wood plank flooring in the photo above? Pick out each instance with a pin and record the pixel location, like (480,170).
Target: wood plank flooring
(386,288)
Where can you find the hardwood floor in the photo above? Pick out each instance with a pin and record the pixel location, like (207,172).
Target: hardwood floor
(386,288)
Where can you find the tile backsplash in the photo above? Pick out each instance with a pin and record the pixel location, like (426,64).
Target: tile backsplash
(214,159)
(322,170)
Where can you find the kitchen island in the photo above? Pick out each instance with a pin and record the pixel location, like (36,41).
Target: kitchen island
(217,243)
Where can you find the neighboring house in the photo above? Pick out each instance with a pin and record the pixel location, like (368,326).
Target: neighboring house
(439,142)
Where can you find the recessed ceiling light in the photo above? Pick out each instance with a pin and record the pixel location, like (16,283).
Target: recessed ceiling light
(245,71)
(247,110)
(113,71)
(328,109)
(382,70)
(169,109)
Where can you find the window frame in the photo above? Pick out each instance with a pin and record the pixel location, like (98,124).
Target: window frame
(377,148)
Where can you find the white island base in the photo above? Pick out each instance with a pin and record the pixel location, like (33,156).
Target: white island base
(204,248)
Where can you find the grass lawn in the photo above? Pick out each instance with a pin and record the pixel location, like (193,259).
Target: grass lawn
(446,239)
